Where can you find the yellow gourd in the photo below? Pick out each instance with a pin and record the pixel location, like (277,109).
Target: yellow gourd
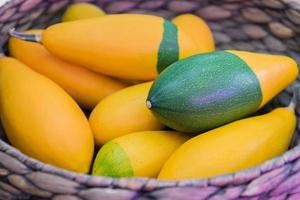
(235,146)
(128,46)
(197,29)
(137,154)
(42,120)
(85,86)
(123,112)
(82,11)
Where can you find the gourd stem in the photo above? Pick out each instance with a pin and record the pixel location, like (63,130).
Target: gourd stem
(148,104)
(295,98)
(26,37)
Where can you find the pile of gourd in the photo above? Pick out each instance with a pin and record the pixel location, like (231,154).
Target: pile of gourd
(186,124)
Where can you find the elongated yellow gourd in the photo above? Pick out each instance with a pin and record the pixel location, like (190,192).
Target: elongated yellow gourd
(85,86)
(123,112)
(129,46)
(235,146)
(137,154)
(198,30)
(42,120)
(82,10)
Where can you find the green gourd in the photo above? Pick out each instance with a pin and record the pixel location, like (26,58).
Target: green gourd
(208,90)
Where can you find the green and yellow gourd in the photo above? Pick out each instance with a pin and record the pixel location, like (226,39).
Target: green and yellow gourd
(137,154)
(205,91)
(128,46)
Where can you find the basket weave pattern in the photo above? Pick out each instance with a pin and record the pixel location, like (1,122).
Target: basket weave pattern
(271,26)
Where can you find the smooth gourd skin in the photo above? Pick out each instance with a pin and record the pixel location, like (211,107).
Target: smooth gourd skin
(206,91)
(273,72)
(235,146)
(198,30)
(123,112)
(128,46)
(85,86)
(80,11)
(42,120)
(137,154)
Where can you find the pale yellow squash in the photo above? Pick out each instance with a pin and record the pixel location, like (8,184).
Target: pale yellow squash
(79,11)
(85,86)
(197,29)
(236,146)
(123,112)
(42,120)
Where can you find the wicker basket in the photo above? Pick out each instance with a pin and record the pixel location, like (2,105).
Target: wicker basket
(271,26)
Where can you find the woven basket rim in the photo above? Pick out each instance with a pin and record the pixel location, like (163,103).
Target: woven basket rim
(221,180)
(295,4)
